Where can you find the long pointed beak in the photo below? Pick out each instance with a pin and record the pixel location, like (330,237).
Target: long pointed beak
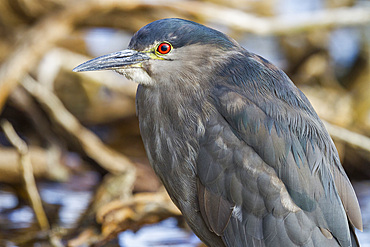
(113,61)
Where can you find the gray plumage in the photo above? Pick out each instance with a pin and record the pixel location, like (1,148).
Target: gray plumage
(238,147)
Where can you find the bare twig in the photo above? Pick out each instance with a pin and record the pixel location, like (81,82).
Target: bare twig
(299,22)
(40,158)
(63,59)
(347,136)
(141,207)
(139,210)
(57,26)
(109,159)
(27,172)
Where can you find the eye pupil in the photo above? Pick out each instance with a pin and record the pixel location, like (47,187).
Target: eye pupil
(164,48)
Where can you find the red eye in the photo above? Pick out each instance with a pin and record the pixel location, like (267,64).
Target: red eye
(164,48)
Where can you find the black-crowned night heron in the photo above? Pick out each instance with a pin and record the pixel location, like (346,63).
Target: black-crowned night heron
(238,147)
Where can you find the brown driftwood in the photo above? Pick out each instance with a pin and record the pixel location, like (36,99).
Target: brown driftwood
(26,169)
(54,27)
(10,171)
(31,29)
(131,213)
(109,159)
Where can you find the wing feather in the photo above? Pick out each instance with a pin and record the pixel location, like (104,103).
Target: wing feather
(266,152)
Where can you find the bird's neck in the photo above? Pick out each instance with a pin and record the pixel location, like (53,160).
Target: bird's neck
(171,122)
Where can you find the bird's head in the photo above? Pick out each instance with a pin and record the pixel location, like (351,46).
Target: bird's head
(165,51)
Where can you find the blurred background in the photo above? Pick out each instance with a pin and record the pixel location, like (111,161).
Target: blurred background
(73,171)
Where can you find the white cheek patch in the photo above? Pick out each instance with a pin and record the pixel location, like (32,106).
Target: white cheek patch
(137,75)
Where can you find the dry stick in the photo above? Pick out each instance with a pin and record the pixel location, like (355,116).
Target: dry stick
(347,136)
(54,27)
(140,209)
(288,24)
(27,174)
(109,159)
(39,39)
(58,25)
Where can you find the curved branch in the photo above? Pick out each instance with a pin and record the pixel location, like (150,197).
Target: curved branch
(109,159)
(56,26)
(355,139)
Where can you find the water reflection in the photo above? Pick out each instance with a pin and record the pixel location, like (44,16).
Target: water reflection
(21,217)
(73,203)
(165,233)
(74,198)
(8,200)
